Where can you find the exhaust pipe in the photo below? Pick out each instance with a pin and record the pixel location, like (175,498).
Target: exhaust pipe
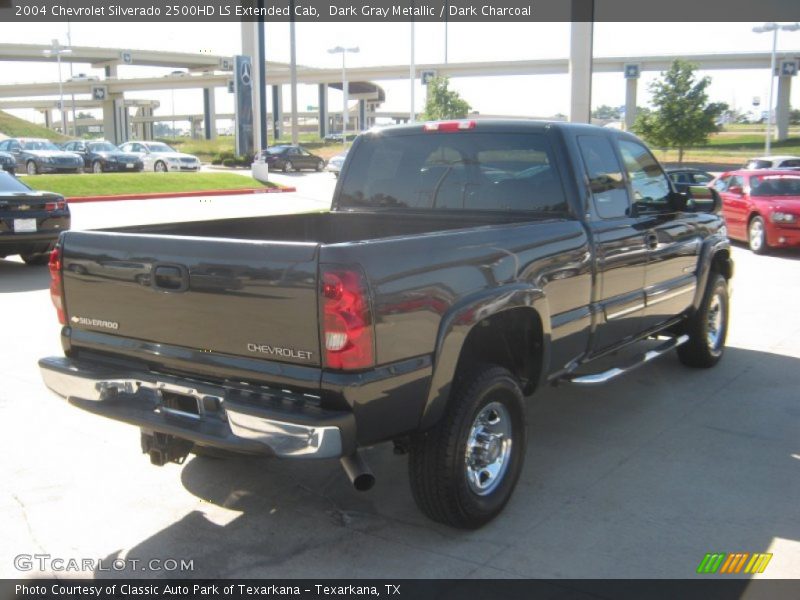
(358,472)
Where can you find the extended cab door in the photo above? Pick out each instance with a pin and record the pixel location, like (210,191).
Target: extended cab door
(621,254)
(673,238)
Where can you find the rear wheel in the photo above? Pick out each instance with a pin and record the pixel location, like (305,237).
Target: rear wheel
(463,471)
(757,236)
(708,327)
(31,168)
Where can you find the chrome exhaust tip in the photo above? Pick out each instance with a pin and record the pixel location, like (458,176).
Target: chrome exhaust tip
(358,472)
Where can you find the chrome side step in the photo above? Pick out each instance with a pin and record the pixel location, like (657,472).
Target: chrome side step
(598,378)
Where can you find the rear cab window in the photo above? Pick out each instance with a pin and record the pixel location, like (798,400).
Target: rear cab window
(464,170)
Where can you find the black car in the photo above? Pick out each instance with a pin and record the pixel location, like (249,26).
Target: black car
(8,163)
(684,178)
(288,158)
(35,155)
(101,156)
(30,221)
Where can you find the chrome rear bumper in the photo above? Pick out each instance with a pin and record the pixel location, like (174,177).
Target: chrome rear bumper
(251,420)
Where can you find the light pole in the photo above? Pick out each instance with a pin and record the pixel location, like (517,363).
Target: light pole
(343,51)
(57,50)
(773,27)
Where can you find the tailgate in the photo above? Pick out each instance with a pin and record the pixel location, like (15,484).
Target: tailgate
(237,297)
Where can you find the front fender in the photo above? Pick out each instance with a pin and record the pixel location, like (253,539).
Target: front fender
(456,326)
(714,246)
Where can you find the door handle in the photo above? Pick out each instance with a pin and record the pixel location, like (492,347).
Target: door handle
(170,278)
(651,241)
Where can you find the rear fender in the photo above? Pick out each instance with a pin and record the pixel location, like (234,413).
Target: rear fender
(455,329)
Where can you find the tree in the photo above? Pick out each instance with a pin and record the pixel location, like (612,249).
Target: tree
(443,103)
(682,116)
(606,113)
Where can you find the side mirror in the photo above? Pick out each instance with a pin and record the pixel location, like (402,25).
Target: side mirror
(703,199)
(736,189)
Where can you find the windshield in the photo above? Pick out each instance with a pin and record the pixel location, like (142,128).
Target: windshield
(39,145)
(275,149)
(463,170)
(775,185)
(159,147)
(102,147)
(9,183)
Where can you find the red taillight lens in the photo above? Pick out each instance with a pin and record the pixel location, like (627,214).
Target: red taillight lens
(347,320)
(449,125)
(56,287)
(51,206)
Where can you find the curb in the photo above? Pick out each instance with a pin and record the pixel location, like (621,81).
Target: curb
(164,195)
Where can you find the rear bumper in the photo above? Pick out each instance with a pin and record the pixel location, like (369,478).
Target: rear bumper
(241,419)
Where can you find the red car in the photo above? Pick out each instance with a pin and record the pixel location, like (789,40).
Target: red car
(761,207)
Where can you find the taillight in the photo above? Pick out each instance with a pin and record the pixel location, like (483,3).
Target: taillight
(449,125)
(51,206)
(56,285)
(346,319)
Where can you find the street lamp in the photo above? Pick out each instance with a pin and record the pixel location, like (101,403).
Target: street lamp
(773,27)
(343,51)
(57,50)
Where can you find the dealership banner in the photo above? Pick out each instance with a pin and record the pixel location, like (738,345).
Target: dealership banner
(398,10)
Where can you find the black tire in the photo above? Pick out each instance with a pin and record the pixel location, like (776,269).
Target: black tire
(708,327)
(320,166)
(288,167)
(438,467)
(757,236)
(36,259)
(97,167)
(31,168)
(160,167)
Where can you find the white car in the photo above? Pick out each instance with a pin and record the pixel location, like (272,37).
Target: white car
(773,162)
(159,157)
(335,164)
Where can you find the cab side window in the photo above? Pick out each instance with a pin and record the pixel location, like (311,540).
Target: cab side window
(650,186)
(609,195)
(721,184)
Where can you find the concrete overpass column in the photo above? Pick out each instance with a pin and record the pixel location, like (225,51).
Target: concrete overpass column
(48,118)
(148,126)
(580,63)
(277,111)
(139,128)
(323,110)
(631,87)
(115,119)
(362,115)
(195,125)
(209,114)
(783,107)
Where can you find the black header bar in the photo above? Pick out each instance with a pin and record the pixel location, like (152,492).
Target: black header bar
(376,11)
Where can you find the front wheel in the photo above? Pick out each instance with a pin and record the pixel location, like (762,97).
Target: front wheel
(31,168)
(288,167)
(757,236)
(97,167)
(320,165)
(160,167)
(463,471)
(708,327)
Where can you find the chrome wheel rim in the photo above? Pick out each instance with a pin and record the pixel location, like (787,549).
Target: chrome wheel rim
(488,449)
(715,318)
(161,167)
(97,168)
(31,168)
(756,234)
(288,168)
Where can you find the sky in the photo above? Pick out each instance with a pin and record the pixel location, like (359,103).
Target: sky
(390,43)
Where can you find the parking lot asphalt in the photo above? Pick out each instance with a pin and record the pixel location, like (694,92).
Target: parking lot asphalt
(639,478)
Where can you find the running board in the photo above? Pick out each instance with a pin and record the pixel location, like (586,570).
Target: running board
(598,378)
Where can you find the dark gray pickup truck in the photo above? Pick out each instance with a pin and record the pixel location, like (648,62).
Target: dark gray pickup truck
(463,264)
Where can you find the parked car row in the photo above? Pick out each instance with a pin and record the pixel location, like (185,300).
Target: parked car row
(35,155)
